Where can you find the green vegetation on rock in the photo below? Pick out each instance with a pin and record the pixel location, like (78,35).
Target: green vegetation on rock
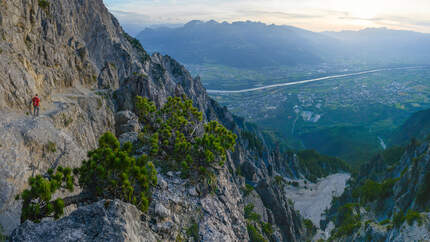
(254,234)
(250,214)
(372,190)
(193,231)
(44,4)
(347,221)
(319,165)
(111,172)
(177,139)
(412,216)
(2,237)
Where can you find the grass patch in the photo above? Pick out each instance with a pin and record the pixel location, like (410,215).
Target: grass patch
(193,231)
(385,222)
(51,147)
(44,4)
(247,189)
(348,220)
(67,120)
(254,234)
(279,180)
(310,227)
(250,214)
(412,216)
(267,229)
(2,236)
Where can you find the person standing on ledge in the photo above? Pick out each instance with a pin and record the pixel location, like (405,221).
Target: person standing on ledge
(36,104)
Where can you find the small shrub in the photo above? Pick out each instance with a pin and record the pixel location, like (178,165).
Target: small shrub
(254,234)
(267,229)
(44,4)
(2,237)
(279,180)
(111,172)
(193,231)
(250,214)
(67,120)
(248,189)
(310,227)
(384,222)
(348,220)
(412,216)
(51,147)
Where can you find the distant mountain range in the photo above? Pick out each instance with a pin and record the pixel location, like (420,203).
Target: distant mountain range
(253,44)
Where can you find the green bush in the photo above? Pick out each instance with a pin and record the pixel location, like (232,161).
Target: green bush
(51,147)
(267,229)
(248,189)
(176,137)
(254,234)
(412,216)
(193,231)
(44,4)
(111,172)
(384,222)
(279,180)
(372,190)
(310,227)
(2,237)
(348,220)
(320,165)
(250,214)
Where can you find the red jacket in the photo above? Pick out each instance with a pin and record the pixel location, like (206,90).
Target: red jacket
(36,101)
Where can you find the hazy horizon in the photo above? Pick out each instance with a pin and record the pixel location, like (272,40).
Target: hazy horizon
(313,15)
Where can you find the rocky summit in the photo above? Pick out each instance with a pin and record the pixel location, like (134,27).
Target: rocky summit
(88,72)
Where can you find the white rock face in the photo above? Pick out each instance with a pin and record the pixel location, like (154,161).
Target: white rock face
(312,202)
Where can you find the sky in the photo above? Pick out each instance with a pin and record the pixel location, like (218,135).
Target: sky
(314,15)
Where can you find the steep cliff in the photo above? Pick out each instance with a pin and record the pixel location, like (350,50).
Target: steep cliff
(87,71)
(388,200)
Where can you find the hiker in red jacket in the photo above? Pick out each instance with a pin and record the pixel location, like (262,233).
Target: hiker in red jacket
(36,103)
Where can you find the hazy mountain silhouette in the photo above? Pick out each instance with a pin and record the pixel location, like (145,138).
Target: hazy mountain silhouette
(253,44)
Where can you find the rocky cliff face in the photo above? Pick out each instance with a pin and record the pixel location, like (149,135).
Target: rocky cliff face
(87,71)
(395,210)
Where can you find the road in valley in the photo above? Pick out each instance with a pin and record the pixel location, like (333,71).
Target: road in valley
(305,81)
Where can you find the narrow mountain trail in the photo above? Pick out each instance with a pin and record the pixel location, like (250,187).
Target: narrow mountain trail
(63,99)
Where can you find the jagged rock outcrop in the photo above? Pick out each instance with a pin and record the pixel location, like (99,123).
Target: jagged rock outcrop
(87,70)
(175,208)
(105,220)
(399,210)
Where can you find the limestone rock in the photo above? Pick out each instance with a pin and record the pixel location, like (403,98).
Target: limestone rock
(105,220)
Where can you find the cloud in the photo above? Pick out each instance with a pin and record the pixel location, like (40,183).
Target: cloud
(280,14)
(395,21)
(315,15)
